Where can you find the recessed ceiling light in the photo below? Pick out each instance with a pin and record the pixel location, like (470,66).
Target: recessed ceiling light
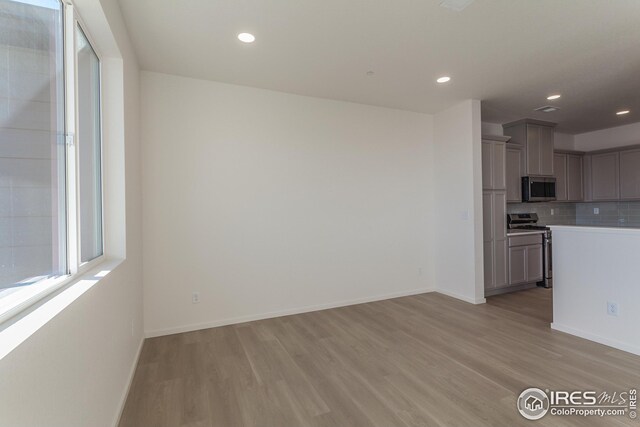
(552,97)
(246,37)
(620,113)
(443,79)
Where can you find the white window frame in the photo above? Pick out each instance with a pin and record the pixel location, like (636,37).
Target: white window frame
(18,302)
(72,21)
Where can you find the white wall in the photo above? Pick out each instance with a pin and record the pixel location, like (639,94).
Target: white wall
(458,200)
(268,203)
(609,138)
(74,371)
(562,141)
(593,266)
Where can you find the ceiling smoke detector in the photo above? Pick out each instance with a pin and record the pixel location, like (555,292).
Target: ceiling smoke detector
(457,5)
(547,109)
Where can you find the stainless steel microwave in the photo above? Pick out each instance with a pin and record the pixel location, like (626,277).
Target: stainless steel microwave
(538,189)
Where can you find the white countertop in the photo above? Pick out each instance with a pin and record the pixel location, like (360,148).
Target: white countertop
(596,229)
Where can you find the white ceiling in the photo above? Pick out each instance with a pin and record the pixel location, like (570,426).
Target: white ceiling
(509,53)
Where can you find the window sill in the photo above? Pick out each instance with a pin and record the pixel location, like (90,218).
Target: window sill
(58,296)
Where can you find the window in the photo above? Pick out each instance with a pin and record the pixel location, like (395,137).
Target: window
(89,150)
(50,150)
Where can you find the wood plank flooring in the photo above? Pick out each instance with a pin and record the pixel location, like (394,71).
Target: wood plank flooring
(536,303)
(425,360)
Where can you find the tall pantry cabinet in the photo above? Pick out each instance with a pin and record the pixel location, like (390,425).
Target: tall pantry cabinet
(494,204)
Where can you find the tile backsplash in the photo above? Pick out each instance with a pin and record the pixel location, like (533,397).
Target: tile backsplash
(618,214)
(611,214)
(563,213)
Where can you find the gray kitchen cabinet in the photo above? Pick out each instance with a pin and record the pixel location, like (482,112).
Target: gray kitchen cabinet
(545,151)
(500,264)
(494,205)
(560,168)
(515,159)
(517,265)
(532,164)
(630,175)
(569,177)
(495,239)
(500,215)
(586,170)
(487,216)
(493,165)
(575,186)
(605,178)
(525,259)
(500,239)
(525,240)
(487,171)
(537,138)
(534,263)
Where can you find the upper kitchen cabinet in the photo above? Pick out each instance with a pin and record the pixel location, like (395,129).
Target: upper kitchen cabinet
(560,166)
(494,162)
(569,176)
(515,166)
(630,174)
(612,174)
(603,175)
(536,137)
(575,185)
(544,151)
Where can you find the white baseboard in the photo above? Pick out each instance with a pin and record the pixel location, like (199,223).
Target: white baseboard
(461,297)
(597,338)
(125,394)
(287,312)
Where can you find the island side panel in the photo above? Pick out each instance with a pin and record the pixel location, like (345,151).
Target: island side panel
(593,267)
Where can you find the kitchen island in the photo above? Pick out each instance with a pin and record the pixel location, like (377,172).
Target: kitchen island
(596,293)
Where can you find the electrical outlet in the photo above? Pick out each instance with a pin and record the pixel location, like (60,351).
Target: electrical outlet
(612,308)
(596,211)
(553,212)
(195,297)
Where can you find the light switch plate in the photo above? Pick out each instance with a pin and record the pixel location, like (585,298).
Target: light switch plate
(596,211)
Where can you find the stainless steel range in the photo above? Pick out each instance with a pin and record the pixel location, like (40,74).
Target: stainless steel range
(528,222)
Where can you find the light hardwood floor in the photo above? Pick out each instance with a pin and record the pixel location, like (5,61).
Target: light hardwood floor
(536,303)
(426,360)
